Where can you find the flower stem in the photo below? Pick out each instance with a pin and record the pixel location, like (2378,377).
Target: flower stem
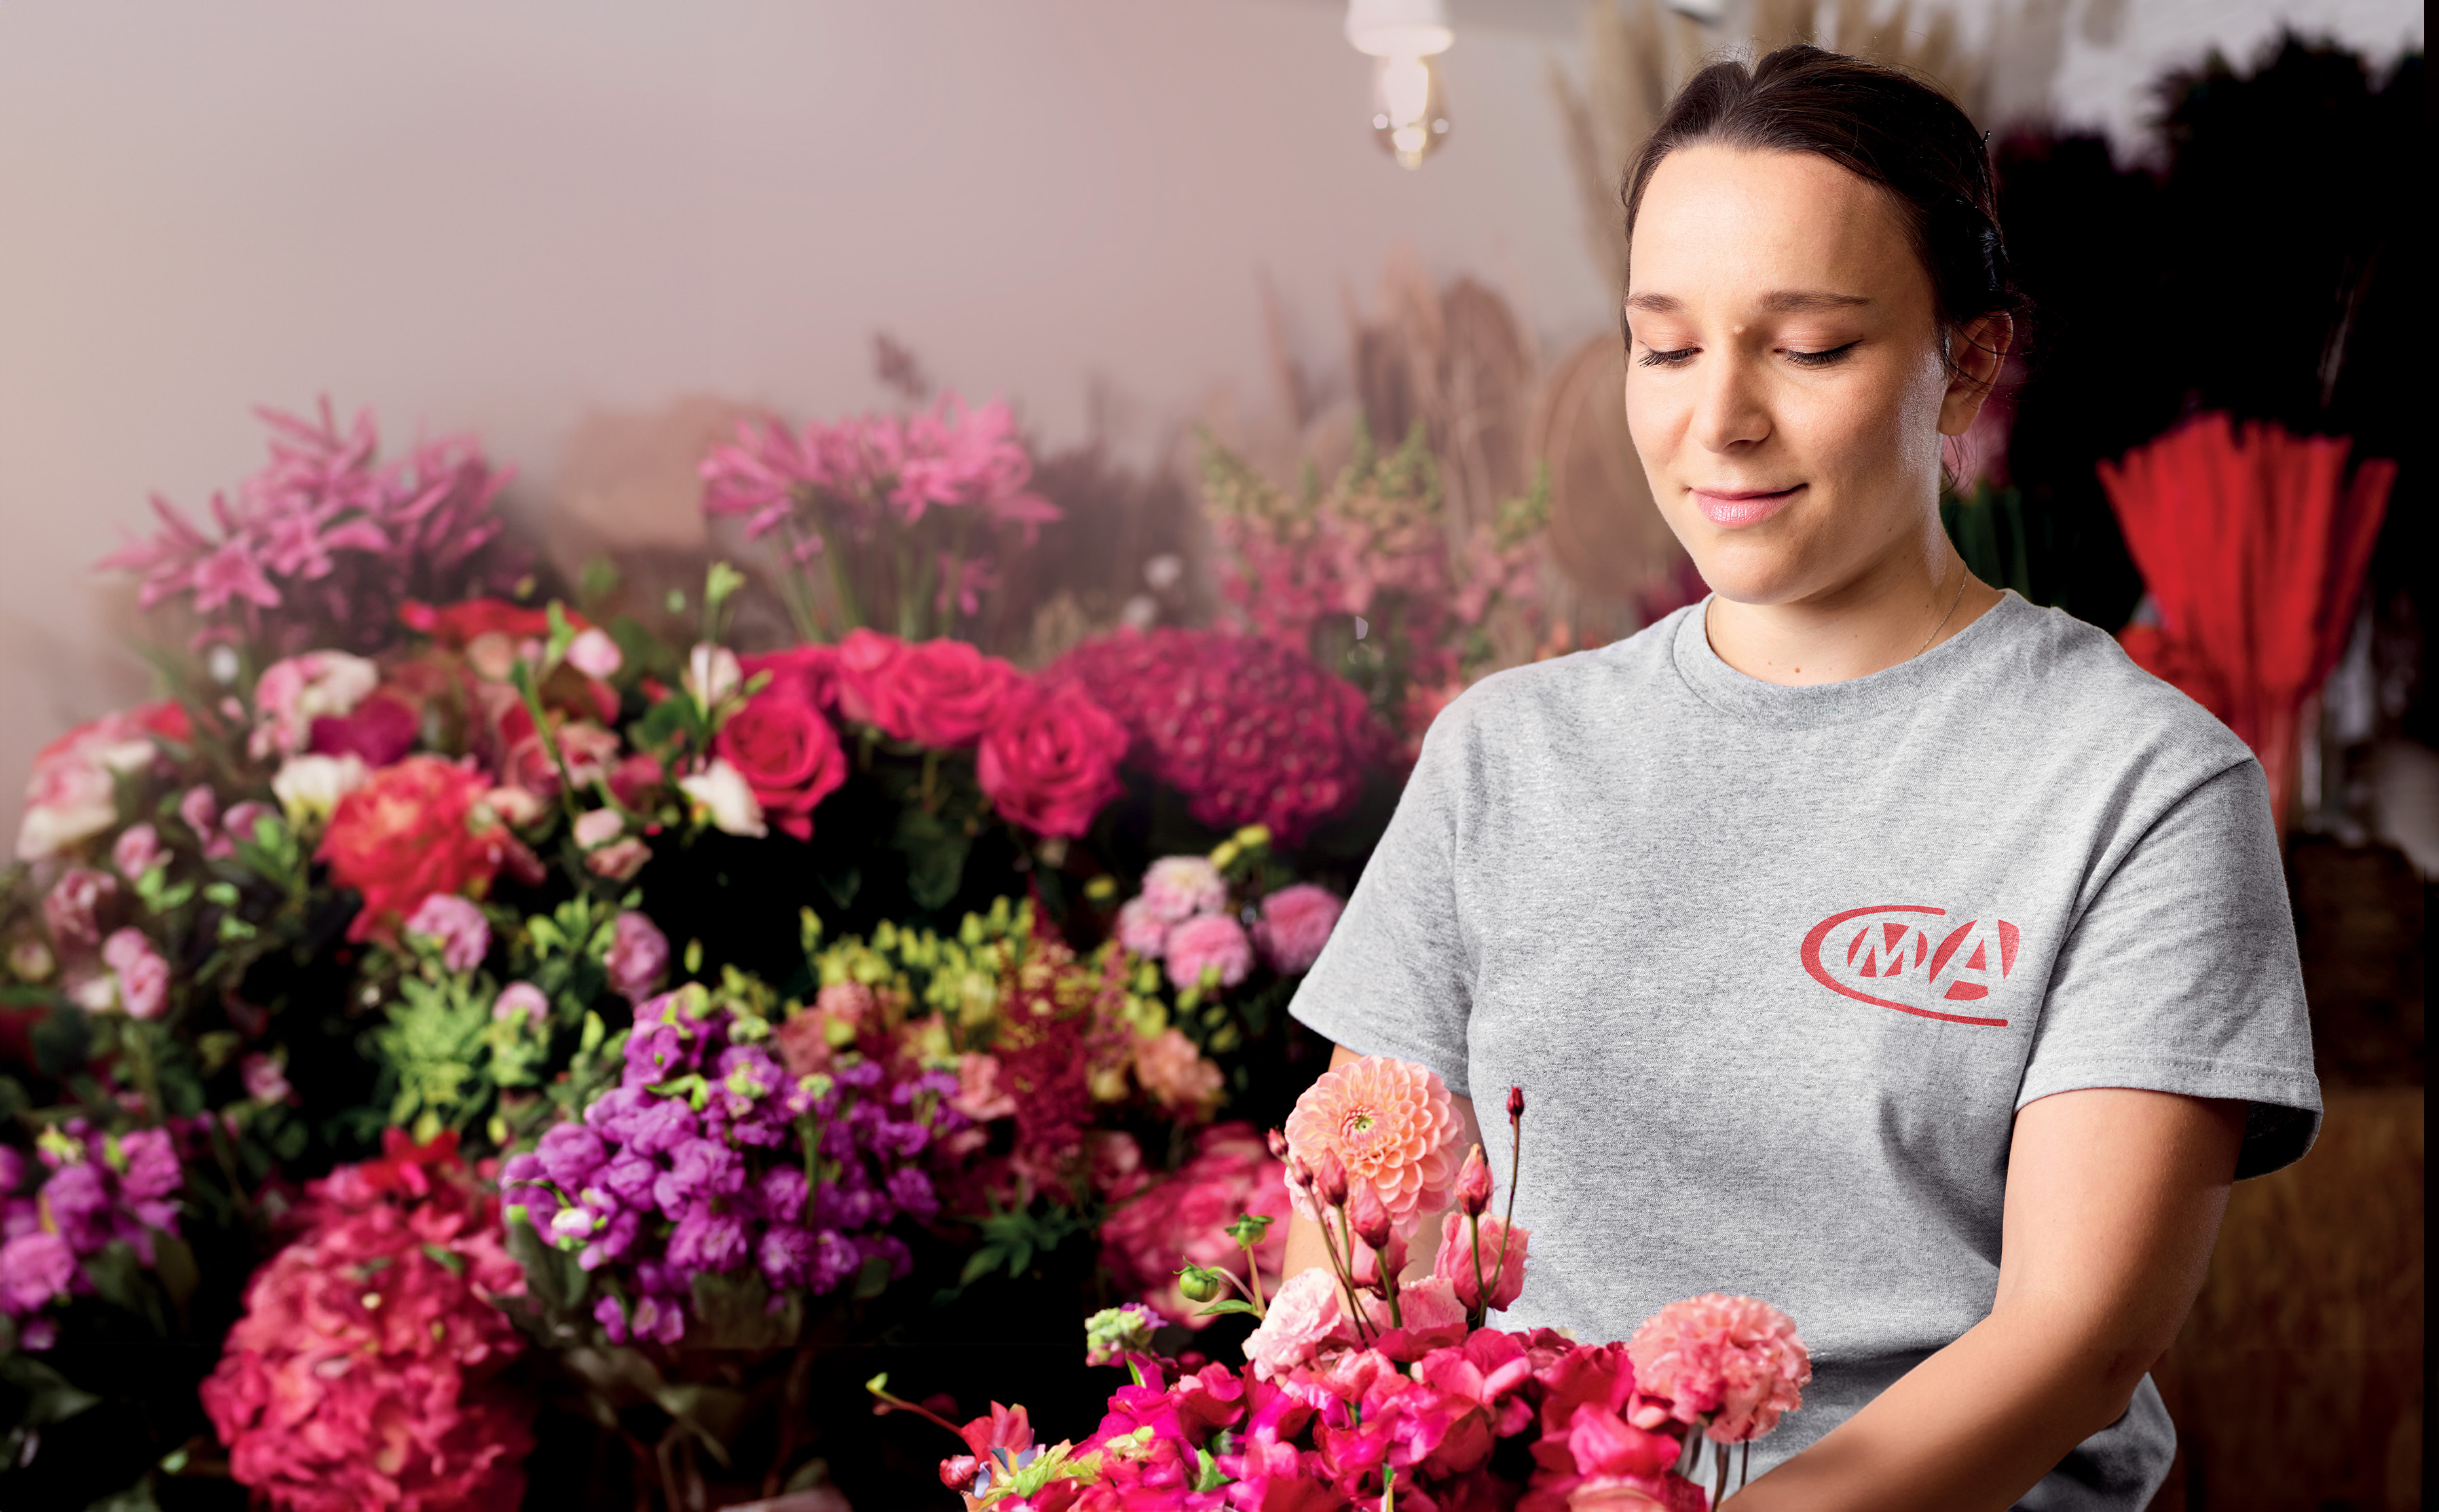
(1253,1269)
(1343,1269)
(1481,1294)
(1719,1474)
(1515,1169)
(879,1386)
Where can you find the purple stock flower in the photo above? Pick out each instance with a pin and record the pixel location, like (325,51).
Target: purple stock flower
(708,1240)
(570,1153)
(34,1268)
(912,1191)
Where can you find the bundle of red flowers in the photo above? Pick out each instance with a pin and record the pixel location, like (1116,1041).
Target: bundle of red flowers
(362,1375)
(1367,1387)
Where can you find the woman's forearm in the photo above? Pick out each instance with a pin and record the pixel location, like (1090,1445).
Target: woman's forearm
(1972,1426)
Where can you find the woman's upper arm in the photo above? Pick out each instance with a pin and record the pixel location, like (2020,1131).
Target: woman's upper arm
(2114,1198)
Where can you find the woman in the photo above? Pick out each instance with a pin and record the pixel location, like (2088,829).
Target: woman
(1866,939)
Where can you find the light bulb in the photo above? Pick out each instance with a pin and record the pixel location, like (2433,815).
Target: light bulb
(1408,107)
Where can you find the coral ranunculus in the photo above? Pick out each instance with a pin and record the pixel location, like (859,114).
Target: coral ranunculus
(1738,1357)
(1051,762)
(1392,1124)
(412,829)
(787,753)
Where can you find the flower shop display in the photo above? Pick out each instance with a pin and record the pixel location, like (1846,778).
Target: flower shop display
(1366,1384)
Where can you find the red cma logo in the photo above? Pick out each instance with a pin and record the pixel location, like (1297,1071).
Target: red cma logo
(1865,955)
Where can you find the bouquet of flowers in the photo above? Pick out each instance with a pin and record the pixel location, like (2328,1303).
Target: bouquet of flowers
(1365,1386)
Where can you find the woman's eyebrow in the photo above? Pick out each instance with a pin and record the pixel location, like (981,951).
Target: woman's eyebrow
(1801,301)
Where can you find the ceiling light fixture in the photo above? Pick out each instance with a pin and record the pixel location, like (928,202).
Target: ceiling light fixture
(1409,102)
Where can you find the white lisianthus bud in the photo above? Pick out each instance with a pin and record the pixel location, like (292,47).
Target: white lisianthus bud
(712,675)
(309,787)
(595,654)
(720,792)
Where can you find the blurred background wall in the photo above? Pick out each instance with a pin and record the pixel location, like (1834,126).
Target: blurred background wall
(526,220)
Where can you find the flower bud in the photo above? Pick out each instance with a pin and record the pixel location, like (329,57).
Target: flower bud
(1473,1184)
(1249,1230)
(1330,1180)
(1369,1216)
(1515,1103)
(959,1473)
(1278,1140)
(1196,1284)
(1299,1174)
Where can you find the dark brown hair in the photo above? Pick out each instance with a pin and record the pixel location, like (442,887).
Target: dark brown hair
(1878,123)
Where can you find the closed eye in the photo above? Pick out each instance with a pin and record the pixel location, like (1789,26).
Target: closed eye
(1673,359)
(1820,359)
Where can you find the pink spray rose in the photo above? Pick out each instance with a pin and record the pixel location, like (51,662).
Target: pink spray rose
(1308,1312)
(72,909)
(143,976)
(639,953)
(1176,888)
(1388,1122)
(1738,1357)
(1051,760)
(457,926)
(1213,940)
(1295,924)
(1454,1262)
(1168,1067)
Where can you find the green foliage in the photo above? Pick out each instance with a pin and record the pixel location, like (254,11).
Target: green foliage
(1015,1238)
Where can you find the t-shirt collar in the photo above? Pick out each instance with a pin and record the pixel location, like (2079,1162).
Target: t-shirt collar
(1732,693)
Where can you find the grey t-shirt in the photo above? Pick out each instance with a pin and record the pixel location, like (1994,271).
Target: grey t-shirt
(1777,966)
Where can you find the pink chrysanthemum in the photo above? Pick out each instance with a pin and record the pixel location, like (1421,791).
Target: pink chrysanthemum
(1737,1360)
(1392,1124)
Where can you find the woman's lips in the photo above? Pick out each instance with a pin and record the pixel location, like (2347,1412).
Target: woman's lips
(1731,512)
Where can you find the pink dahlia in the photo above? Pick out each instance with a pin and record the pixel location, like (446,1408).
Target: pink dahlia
(1391,1124)
(1735,1360)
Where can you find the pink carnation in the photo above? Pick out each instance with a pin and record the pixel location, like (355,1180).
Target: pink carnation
(1308,1312)
(1140,930)
(1295,924)
(1390,1123)
(1208,941)
(1176,888)
(1735,1360)
(1454,1263)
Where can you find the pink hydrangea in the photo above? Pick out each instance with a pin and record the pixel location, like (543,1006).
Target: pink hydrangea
(1390,1123)
(1295,924)
(1308,1312)
(1208,942)
(456,925)
(1737,1362)
(639,953)
(1248,730)
(1176,888)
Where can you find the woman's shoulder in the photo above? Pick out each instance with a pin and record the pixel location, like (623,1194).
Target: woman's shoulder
(2081,690)
(1522,701)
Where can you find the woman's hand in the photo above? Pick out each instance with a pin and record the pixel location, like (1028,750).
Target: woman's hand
(2113,1203)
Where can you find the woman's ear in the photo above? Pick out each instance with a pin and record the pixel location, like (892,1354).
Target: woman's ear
(1974,359)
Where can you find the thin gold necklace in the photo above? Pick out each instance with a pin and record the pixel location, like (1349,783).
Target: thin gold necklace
(1961,580)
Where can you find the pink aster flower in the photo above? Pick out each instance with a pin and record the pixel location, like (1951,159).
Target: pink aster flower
(1308,1312)
(1391,1124)
(1735,1361)
(1208,941)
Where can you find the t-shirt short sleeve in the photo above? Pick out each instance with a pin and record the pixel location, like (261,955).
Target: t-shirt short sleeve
(2181,974)
(1395,978)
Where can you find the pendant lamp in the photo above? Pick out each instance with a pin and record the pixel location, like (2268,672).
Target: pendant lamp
(1404,38)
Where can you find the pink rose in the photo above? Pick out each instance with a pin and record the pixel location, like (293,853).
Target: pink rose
(945,693)
(639,953)
(1208,940)
(1295,924)
(72,909)
(143,976)
(1308,1312)
(862,672)
(457,926)
(787,753)
(808,674)
(619,860)
(1051,762)
(1178,887)
(1454,1262)
(379,731)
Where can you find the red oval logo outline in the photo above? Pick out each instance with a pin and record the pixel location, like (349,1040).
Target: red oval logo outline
(1821,974)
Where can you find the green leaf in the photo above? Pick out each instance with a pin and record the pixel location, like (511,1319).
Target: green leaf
(1231,1304)
(980,1264)
(935,856)
(446,1258)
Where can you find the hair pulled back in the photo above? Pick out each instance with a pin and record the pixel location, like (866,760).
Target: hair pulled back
(1878,123)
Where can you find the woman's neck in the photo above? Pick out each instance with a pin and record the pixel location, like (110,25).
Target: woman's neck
(1890,614)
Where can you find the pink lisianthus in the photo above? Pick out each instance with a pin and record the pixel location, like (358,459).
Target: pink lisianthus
(292,693)
(1208,942)
(1606,1463)
(1737,1362)
(1429,1315)
(1295,924)
(1390,1123)
(72,794)
(1454,1263)
(143,976)
(639,953)
(1176,888)
(1308,1312)
(1050,760)
(1174,1073)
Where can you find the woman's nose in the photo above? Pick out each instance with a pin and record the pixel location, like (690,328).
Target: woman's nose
(1729,414)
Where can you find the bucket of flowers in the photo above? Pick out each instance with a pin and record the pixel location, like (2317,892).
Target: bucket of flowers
(1372,1383)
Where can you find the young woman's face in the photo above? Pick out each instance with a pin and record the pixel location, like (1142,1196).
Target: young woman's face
(1784,384)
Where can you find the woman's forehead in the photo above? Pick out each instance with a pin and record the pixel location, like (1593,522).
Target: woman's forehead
(1785,232)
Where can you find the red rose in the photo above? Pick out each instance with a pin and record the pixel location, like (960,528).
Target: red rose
(862,677)
(948,693)
(1051,760)
(412,830)
(787,753)
(811,671)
